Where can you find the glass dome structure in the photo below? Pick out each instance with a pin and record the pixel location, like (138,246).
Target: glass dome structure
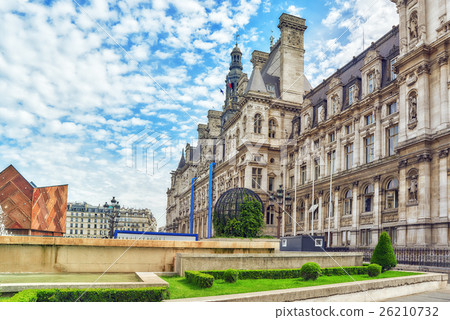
(229,204)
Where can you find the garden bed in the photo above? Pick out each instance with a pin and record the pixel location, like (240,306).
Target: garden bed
(181,288)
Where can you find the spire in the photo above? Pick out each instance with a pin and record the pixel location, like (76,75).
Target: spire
(233,76)
(182,161)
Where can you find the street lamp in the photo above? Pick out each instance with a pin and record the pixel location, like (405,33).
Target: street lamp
(288,202)
(280,203)
(112,215)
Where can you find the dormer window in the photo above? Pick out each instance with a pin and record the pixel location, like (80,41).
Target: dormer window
(270,89)
(351,94)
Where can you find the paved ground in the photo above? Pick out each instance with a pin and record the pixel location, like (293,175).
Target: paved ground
(432,296)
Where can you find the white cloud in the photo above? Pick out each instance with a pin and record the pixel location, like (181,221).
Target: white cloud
(296,11)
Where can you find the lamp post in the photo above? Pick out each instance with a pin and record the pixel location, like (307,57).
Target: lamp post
(112,215)
(280,203)
(287,202)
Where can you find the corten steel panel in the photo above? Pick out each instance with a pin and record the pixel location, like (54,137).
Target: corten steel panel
(49,209)
(15,199)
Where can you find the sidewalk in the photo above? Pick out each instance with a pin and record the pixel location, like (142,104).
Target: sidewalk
(432,296)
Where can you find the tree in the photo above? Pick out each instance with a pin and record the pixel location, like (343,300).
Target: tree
(383,254)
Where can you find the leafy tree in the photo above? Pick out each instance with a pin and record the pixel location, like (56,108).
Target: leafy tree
(383,254)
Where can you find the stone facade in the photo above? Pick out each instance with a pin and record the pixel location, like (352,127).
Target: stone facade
(87,221)
(364,151)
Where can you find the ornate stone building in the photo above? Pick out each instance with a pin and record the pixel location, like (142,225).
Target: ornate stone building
(364,151)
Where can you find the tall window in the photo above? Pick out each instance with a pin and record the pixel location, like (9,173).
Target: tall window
(291,181)
(303,175)
(392,232)
(256,178)
(329,211)
(392,108)
(392,137)
(370,82)
(331,137)
(331,162)
(393,74)
(349,128)
(316,169)
(348,202)
(369,148)
(366,237)
(368,119)
(349,156)
(351,94)
(242,178)
(257,123)
(368,198)
(271,182)
(272,128)
(346,237)
(392,194)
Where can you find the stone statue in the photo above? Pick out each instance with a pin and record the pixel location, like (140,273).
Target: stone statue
(412,108)
(378,79)
(413,189)
(322,114)
(308,121)
(413,26)
(356,92)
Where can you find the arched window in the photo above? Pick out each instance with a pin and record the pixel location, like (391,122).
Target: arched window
(257,123)
(368,198)
(348,202)
(272,128)
(392,194)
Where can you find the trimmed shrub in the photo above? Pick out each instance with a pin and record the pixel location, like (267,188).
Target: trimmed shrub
(200,279)
(373,270)
(92,295)
(310,271)
(383,254)
(231,275)
(287,273)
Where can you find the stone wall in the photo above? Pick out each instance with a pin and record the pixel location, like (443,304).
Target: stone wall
(285,260)
(42,254)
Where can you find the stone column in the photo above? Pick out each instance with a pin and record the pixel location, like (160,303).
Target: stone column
(402,199)
(355,214)
(424,199)
(378,134)
(307,226)
(337,162)
(443,62)
(320,224)
(423,99)
(356,151)
(442,237)
(377,206)
(337,216)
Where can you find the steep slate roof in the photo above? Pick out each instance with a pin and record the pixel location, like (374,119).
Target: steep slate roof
(387,47)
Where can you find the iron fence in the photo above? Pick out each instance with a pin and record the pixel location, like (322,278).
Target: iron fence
(411,256)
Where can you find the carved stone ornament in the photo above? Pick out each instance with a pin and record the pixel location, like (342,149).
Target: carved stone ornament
(413,26)
(376,178)
(308,121)
(424,157)
(443,153)
(412,110)
(411,79)
(412,189)
(403,163)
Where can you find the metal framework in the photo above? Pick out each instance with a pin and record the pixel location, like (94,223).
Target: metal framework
(229,204)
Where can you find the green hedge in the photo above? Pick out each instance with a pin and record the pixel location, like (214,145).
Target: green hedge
(287,273)
(92,295)
(201,279)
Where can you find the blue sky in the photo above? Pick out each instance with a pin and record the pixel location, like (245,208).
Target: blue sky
(103,95)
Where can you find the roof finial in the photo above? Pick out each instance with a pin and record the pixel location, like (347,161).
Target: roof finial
(237,36)
(271,38)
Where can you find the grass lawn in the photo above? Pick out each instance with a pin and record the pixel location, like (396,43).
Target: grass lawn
(179,287)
